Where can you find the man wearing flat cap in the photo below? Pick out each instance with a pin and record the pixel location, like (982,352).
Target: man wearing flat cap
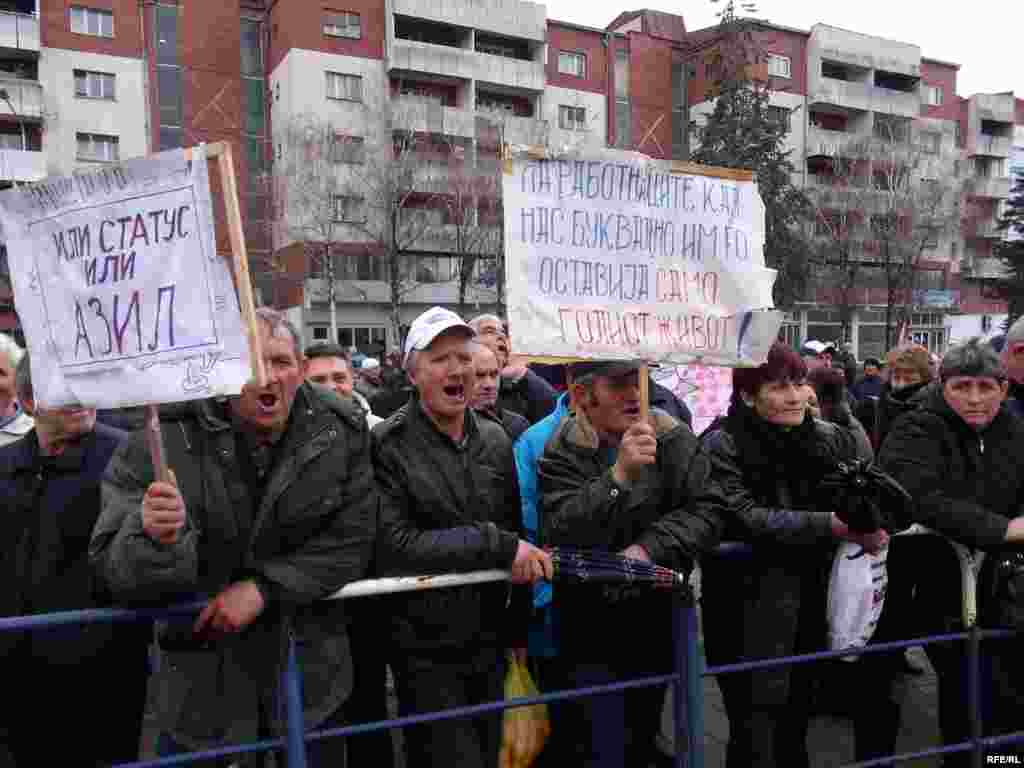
(612,480)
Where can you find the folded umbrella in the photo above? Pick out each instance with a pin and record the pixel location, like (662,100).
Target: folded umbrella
(594,566)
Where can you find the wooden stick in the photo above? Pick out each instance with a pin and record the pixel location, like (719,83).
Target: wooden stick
(645,396)
(155,438)
(226,164)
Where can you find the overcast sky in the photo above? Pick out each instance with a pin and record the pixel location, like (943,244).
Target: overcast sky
(985,36)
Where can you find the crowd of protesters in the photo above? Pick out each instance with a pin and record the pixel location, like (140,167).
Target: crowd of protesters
(454,455)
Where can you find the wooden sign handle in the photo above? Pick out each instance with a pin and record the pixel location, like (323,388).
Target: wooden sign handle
(645,395)
(155,439)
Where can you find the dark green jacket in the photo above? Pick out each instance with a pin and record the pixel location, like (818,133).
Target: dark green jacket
(309,535)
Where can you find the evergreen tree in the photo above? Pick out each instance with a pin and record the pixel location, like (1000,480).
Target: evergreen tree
(1011,251)
(742,132)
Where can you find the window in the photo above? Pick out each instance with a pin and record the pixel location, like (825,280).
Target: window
(344,87)
(572,118)
(348,149)
(320,333)
(92,21)
(933,95)
(372,340)
(779,116)
(98,147)
(94,85)
(349,208)
(621,74)
(779,66)
(570,63)
(342,24)
(930,142)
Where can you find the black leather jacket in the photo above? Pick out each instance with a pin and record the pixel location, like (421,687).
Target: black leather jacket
(447,507)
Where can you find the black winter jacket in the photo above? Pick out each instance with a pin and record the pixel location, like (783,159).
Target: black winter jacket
(50,507)
(765,483)
(584,507)
(529,396)
(965,484)
(448,507)
(892,404)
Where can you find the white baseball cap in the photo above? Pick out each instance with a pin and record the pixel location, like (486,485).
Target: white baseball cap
(429,326)
(368,363)
(812,347)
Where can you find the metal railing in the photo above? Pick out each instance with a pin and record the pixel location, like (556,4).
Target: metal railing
(686,676)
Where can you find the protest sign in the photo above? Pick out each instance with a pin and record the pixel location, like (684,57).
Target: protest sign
(636,259)
(121,293)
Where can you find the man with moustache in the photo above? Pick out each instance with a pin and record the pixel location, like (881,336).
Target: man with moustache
(50,484)
(450,502)
(613,481)
(272,509)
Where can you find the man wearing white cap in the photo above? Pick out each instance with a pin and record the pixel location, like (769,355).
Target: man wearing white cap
(450,502)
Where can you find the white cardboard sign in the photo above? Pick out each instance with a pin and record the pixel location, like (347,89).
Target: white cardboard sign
(620,260)
(121,293)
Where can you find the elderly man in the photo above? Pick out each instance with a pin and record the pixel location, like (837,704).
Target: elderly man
(613,481)
(271,511)
(816,354)
(14,422)
(450,502)
(50,484)
(521,390)
(330,366)
(960,455)
(485,393)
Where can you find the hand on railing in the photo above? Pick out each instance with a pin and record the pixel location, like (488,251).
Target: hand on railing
(163,512)
(232,610)
(532,564)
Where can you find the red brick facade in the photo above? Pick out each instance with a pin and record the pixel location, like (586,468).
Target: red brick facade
(300,24)
(563,37)
(55,27)
(943,75)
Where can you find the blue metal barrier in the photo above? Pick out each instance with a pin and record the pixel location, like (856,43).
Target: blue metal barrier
(685,678)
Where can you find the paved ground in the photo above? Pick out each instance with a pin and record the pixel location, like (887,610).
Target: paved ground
(830,739)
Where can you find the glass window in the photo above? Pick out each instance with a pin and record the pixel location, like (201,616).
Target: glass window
(572,118)
(344,87)
(254,158)
(933,95)
(320,333)
(571,63)
(94,85)
(168,86)
(779,66)
(348,208)
(170,138)
(621,74)
(98,147)
(348,149)
(166,35)
(342,24)
(252,50)
(345,337)
(92,21)
(254,106)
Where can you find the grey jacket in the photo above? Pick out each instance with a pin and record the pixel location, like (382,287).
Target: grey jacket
(308,535)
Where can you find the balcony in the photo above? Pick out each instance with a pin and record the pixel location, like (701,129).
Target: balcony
(515,130)
(19,165)
(984,145)
(423,115)
(464,64)
(25,95)
(893,102)
(993,187)
(19,32)
(843,93)
(826,143)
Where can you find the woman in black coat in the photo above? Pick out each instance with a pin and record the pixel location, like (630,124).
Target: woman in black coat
(768,459)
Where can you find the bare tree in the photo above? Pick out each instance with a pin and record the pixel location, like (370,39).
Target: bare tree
(881,203)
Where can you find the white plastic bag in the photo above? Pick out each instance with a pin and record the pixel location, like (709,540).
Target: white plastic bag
(856,595)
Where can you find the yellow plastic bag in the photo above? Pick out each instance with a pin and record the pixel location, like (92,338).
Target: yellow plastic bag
(525,729)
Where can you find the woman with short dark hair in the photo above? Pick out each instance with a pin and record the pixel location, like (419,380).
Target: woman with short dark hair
(768,460)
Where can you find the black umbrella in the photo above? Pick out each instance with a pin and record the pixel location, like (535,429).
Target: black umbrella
(594,566)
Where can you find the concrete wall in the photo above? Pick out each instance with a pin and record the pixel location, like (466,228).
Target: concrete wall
(513,18)
(66,115)
(866,51)
(596,134)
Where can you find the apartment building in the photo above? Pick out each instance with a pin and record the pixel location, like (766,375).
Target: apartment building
(92,81)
